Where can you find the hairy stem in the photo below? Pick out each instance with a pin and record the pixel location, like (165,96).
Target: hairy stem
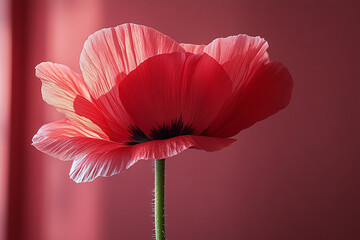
(159,199)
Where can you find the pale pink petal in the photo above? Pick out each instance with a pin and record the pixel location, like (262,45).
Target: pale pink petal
(115,161)
(67,141)
(168,87)
(193,48)
(109,126)
(239,55)
(60,87)
(110,54)
(266,93)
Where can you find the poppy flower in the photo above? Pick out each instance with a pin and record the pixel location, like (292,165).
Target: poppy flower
(141,95)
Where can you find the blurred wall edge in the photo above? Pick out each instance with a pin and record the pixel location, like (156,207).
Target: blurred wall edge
(5,46)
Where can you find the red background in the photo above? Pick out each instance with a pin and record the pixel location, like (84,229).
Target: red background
(293,176)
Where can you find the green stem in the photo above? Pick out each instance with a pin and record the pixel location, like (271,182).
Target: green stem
(159,199)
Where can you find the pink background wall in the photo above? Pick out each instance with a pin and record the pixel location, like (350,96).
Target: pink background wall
(293,176)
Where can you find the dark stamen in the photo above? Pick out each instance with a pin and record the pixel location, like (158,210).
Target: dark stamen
(136,135)
(176,128)
(161,131)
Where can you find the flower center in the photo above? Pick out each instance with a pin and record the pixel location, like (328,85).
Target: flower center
(160,132)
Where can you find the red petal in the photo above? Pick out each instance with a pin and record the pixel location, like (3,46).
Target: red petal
(67,141)
(117,160)
(266,93)
(95,157)
(239,55)
(169,86)
(110,54)
(111,127)
(60,87)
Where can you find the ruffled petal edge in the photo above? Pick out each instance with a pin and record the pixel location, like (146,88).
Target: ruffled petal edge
(109,163)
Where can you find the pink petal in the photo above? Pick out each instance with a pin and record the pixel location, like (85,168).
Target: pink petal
(108,125)
(168,87)
(192,48)
(67,141)
(60,87)
(266,93)
(239,55)
(115,161)
(110,54)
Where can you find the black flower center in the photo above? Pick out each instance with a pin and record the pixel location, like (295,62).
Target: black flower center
(160,132)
